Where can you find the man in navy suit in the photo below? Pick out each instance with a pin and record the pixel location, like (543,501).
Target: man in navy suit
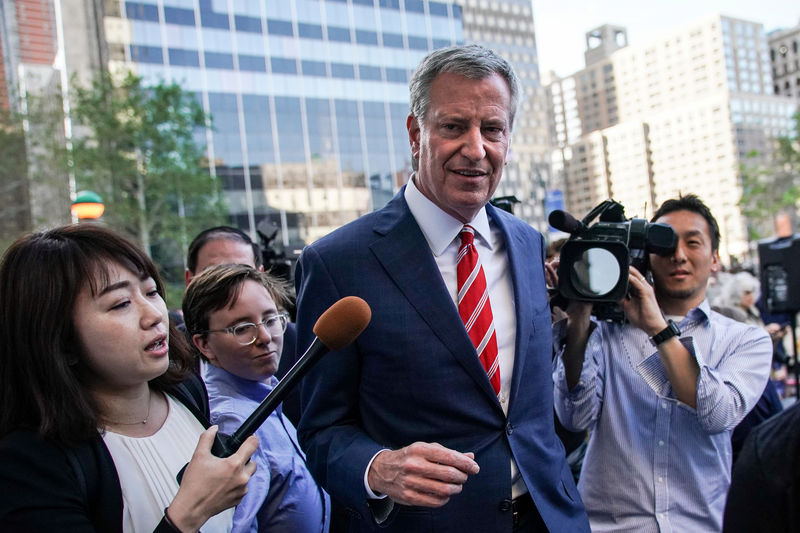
(404,428)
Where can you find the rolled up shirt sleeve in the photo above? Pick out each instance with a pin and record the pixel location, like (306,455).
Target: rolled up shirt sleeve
(577,409)
(730,383)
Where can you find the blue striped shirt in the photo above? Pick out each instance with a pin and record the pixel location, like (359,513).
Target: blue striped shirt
(654,464)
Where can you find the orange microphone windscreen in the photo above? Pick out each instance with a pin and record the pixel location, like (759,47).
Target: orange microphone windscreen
(342,322)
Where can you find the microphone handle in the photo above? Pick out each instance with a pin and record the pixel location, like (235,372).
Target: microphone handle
(226,445)
(219,448)
(278,394)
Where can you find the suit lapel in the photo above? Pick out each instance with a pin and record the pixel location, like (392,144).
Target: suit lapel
(406,256)
(522,279)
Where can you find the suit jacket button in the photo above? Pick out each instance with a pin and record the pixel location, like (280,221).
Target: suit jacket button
(505,506)
(509,429)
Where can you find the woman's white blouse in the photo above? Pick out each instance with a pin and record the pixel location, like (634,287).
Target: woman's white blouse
(147,467)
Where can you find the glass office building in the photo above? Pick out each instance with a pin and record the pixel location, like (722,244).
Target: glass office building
(308,98)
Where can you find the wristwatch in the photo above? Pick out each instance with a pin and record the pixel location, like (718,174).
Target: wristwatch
(668,332)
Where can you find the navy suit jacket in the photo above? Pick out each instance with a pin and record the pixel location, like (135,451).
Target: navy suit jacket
(413,375)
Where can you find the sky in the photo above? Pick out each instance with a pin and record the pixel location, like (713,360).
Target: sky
(561,24)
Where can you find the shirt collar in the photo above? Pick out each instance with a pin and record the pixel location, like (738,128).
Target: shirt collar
(254,390)
(439,228)
(700,313)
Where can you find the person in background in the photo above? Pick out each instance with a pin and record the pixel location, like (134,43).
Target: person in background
(220,245)
(553,250)
(228,245)
(232,313)
(661,392)
(737,300)
(439,417)
(764,496)
(97,419)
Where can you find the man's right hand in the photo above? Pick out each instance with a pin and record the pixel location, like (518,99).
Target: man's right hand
(424,474)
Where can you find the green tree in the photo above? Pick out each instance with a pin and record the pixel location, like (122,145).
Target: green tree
(773,187)
(136,147)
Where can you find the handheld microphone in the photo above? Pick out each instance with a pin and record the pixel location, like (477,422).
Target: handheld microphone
(337,327)
(561,220)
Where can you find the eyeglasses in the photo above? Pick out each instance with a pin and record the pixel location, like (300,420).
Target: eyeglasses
(247,332)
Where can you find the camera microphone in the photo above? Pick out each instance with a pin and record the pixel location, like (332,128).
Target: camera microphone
(563,221)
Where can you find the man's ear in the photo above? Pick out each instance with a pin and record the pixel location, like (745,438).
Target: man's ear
(200,341)
(715,262)
(412,124)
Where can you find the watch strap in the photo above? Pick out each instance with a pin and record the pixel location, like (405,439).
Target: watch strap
(667,333)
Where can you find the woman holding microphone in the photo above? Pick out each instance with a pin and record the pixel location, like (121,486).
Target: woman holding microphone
(99,409)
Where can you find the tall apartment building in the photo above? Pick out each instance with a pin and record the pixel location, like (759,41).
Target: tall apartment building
(644,123)
(784,52)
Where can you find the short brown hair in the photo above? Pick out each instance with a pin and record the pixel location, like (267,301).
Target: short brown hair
(220,233)
(219,286)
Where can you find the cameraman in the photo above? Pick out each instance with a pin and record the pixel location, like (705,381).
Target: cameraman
(661,392)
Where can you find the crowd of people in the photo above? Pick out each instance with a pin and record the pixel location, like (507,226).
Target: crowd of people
(449,413)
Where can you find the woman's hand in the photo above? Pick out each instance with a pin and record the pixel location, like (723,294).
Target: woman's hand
(210,484)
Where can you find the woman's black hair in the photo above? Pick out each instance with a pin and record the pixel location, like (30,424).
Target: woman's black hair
(42,386)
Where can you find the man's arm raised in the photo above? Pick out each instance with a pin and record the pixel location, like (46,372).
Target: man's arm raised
(643,311)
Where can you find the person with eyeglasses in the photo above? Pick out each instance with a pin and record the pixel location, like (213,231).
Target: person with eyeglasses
(226,244)
(232,314)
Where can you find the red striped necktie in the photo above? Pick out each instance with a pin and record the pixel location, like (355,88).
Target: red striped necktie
(474,306)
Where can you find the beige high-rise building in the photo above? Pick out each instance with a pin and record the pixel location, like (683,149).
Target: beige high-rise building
(784,50)
(642,124)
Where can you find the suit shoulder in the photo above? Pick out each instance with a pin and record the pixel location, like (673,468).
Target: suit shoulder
(357,230)
(518,229)
(777,442)
(514,223)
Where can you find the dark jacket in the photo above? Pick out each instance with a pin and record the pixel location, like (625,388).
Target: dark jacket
(48,488)
(765,489)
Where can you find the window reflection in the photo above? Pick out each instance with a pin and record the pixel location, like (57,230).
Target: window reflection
(316,156)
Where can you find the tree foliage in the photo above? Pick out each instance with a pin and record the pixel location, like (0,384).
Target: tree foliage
(772,188)
(136,147)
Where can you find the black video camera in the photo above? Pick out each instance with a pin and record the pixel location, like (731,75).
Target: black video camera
(594,261)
